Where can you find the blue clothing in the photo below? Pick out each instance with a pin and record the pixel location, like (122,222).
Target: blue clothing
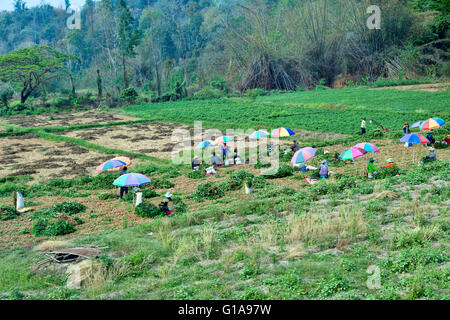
(323,169)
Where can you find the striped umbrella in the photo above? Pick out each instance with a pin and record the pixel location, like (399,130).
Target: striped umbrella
(352,153)
(369,147)
(222,139)
(204,144)
(432,123)
(131,180)
(303,155)
(414,138)
(258,134)
(111,164)
(282,132)
(417,124)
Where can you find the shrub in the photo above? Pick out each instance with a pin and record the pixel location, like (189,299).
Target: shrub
(6,95)
(237,179)
(259,182)
(196,174)
(45,227)
(209,190)
(69,207)
(129,95)
(253,93)
(208,93)
(283,171)
(59,227)
(148,210)
(178,205)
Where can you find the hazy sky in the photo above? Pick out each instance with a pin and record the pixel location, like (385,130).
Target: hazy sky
(9,4)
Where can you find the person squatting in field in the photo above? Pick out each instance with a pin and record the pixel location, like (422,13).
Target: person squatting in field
(371,170)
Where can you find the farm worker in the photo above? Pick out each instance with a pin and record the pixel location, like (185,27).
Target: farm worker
(196,163)
(363,126)
(215,160)
(295,146)
(447,140)
(323,170)
(406,128)
(123,190)
(431,155)
(431,139)
(225,150)
(371,170)
(390,163)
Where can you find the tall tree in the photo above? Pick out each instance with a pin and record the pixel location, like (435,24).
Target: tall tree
(30,67)
(129,37)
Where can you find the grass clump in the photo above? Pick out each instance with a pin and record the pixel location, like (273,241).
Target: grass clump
(69,207)
(148,210)
(45,227)
(208,190)
(7,213)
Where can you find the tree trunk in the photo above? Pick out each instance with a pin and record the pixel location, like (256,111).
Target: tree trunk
(158,80)
(99,84)
(125,78)
(72,85)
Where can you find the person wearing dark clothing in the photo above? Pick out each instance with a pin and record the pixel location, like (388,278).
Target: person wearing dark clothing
(431,139)
(406,128)
(123,190)
(295,146)
(225,150)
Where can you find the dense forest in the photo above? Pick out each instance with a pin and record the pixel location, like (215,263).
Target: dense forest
(171,49)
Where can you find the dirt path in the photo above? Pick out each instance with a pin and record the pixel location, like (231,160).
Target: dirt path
(430,87)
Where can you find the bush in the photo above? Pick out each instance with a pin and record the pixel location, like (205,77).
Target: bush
(129,95)
(59,227)
(237,179)
(69,207)
(178,205)
(283,171)
(148,210)
(107,196)
(209,190)
(196,174)
(259,182)
(45,227)
(253,93)
(6,95)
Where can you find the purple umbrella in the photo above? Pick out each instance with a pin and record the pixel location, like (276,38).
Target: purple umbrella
(417,124)
(131,180)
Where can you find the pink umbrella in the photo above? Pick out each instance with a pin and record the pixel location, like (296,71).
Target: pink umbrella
(303,155)
(369,147)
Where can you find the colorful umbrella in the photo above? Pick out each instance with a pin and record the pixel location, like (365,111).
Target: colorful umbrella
(417,124)
(204,144)
(303,155)
(111,164)
(432,123)
(127,161)
(222,140)
(131,180)
(352,153)
(258,134)
(369,147)
(414,138)
(282,132)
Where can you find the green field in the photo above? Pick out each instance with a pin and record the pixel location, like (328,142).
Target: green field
(336,110)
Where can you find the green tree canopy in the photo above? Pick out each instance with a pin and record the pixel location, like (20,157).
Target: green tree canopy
(29,67)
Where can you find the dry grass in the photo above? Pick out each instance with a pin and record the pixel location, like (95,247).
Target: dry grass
(391,195)
(348,222)
(51,245)
(297,251)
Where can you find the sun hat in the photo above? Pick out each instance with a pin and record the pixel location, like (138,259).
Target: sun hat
(389,160)
(168,195)
(430,149)
(372,160)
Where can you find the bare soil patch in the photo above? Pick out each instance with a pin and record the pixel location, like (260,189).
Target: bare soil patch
(45,160)
(68,119)
(430,87)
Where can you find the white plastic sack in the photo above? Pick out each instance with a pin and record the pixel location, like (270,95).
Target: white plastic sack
(138,198)
(19,203)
